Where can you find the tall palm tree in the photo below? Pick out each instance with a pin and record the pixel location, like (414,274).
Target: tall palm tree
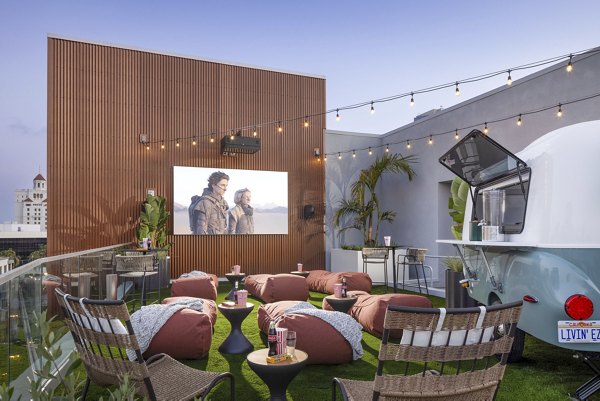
(363,205)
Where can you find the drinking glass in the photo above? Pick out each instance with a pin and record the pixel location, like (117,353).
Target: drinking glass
(291,343)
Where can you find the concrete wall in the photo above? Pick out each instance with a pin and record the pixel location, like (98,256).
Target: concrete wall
(422,204)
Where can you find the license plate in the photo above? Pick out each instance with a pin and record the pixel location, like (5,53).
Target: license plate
(579,331)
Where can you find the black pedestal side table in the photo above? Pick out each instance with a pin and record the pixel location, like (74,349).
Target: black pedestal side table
(303,273)
(232,277)
(276,376)
(341,304)
(236,342)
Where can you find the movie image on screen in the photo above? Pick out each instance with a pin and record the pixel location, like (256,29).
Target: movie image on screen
(214,201)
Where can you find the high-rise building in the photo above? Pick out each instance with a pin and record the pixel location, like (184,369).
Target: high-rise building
(31,204)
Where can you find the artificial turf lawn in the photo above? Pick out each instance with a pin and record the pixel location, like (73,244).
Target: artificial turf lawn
(546,372)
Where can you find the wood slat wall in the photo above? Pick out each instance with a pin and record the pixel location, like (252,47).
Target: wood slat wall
(101,98)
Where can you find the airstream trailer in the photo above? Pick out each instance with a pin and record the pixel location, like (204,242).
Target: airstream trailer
(540,220)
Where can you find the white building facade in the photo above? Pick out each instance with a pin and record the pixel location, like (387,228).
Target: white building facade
(31,204)
(6,264)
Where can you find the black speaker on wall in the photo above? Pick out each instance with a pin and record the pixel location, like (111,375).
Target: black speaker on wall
(309,211)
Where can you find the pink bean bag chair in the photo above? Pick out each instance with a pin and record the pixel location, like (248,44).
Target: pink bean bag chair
(196,286)
(369,310)
(187,334)
(323,281)
(322,343)
(279,287)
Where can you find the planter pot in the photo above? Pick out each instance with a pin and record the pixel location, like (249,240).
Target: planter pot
(456,295)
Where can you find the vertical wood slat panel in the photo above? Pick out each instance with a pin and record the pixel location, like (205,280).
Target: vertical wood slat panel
(101,98)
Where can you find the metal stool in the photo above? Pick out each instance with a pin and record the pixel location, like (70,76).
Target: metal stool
(376,256)
(414,257)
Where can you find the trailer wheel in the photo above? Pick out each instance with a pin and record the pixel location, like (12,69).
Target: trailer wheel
(516,352)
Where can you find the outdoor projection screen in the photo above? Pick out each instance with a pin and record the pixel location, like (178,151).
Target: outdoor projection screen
(268,190)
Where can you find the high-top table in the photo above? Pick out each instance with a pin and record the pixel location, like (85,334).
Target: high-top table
(276,376)
(236,342)
(232,278)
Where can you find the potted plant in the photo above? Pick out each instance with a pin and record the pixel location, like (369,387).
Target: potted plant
(363,208)
(153,221)
(459,190)
(456,295)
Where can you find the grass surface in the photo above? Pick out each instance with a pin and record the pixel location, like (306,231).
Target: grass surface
(546,373)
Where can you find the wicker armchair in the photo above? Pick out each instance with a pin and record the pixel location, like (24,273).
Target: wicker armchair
(460,344)
(103,333)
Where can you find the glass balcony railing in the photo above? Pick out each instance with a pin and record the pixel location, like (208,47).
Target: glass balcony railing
(28,290)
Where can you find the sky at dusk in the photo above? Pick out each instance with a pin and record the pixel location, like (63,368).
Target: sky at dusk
(366,50)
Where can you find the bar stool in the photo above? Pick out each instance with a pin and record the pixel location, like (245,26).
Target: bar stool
(376,256)
(414,257)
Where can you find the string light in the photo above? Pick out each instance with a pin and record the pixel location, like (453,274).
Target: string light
(372,108)
(570,64)
(412,99)
(456,135)
(147,146)
(194,141)
(339,156)
(162,145)
(387,148)
(212,138)
(354,154)
(519,121)
(232,136)
(559,112)
(254,132)
(457,91)
(407,144)
(370,151)
(177,143)
(279,127)
(430,141)
(337,114)
(485,129)
(324,158)
(509,79)
(306,122)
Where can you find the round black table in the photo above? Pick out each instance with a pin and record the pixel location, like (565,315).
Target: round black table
(276,376)
(303,273)
(232,277)
(341,304)
(236,342)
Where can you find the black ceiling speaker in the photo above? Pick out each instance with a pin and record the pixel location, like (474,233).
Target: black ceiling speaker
(309,211)
(239,144)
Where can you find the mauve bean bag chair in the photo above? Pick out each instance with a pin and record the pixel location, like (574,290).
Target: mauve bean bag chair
(187,334)
(196,286)
(369,310)
(323,281)
(322,343)
(280,287)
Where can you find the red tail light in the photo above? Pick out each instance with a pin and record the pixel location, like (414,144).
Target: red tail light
(579,307)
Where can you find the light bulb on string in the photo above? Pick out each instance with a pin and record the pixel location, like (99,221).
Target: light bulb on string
(372,108)
(509,79)
(457,91)
(254,132)
(570,64)
(407,144)
(559,112)
(279,127)
(354,154)
(177,143)
(387,148)
(194,140)
(339,156)
(212,138)
(324,158)
(162,145)
(412,99)
(232,136)
(456,136)
(337,114)
(370,152)
(147,146)
(485,129)
(306,122)
(519,121)
(430,141)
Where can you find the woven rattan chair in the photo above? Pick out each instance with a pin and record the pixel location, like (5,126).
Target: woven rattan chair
(376,256)
(103,333)
(444,354)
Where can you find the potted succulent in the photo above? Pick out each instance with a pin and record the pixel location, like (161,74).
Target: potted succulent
(456,295)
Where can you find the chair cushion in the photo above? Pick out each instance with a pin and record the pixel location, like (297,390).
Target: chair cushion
(196,286)
(322,343)
(369,310)
(279,287)
(187,334)
(323,281)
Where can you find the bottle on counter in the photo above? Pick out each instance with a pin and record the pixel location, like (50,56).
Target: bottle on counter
(235,292)
(344,287)
(272,339)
